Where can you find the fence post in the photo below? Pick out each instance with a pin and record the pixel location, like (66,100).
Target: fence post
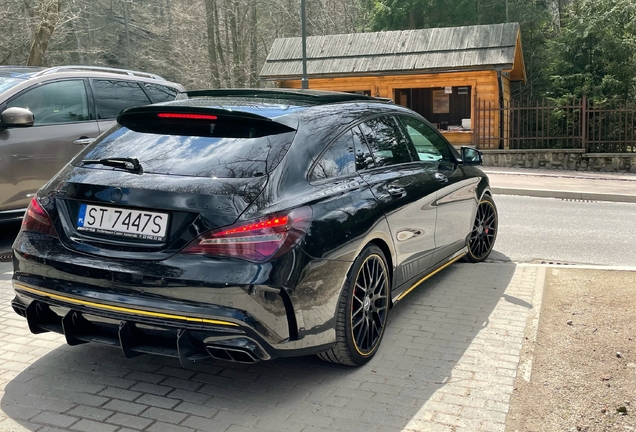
(474,120)
(584,123)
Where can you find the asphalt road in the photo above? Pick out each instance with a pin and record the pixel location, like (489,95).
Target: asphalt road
(530,230)
(572,232)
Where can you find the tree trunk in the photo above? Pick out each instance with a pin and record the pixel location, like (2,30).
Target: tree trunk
(223,75)
(253,46)
(237,66)
(212,23)
(44,33)
(127,29)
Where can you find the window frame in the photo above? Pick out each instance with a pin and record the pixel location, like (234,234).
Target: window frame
(324,151)
(88,95)
(399,128)
(454,155)
(93,81)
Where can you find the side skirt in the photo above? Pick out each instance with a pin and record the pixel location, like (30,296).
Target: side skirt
(400,294)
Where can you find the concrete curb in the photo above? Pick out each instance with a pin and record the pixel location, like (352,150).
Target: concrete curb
(586,196)
(577,175)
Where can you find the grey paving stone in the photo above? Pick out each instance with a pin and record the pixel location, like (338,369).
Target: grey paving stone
(93,426)
(168,427)
(54,419)
(145,387)
(90,413)
(188,396)
(157,401)
(197,409)
(117,405)
(163,415)
(205,424)
(130,421)
(117,393)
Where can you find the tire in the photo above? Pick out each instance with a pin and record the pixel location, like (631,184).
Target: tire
(484,233)
(362,311)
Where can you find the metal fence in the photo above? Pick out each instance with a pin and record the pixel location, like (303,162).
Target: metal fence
(580,124)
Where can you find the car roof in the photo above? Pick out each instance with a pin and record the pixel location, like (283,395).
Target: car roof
(305,96)
(34,72)
(269,103)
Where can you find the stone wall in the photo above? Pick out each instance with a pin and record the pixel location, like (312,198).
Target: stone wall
(573,160)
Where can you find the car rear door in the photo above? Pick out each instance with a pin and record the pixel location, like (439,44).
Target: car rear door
(406,191)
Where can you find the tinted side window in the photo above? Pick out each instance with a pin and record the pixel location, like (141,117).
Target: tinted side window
(387,144)
(112,96)
(338,159)
(58,102)
(364,159)
(159,93)
(429,145)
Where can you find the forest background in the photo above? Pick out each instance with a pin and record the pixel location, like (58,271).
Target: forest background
(571,47)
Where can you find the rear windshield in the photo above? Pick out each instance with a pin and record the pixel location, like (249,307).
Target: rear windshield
(214,157)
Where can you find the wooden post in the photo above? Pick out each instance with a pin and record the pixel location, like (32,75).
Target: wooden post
(584,123)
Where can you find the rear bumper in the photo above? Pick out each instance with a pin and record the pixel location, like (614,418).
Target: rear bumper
(281,308)
(142,331)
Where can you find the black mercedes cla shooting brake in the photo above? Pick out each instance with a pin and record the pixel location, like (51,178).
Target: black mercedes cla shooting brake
(245,225)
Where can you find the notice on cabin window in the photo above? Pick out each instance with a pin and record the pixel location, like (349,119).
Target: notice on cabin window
(441,102)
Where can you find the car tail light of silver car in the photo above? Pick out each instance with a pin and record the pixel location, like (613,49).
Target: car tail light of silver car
(256,241)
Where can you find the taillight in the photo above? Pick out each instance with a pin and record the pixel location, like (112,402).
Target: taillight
(37,219)
(256,241)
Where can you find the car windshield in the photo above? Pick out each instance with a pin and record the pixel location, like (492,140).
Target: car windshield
(8,82)
(214,157)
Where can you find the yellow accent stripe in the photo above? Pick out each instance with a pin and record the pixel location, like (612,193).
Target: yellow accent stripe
(428,276)
(122,309)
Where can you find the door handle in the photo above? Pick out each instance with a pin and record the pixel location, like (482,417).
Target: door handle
(441,177)
(83,141)
(396,190)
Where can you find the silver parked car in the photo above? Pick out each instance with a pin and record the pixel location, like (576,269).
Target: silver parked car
(47,115)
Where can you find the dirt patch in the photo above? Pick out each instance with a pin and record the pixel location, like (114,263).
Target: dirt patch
(583,375)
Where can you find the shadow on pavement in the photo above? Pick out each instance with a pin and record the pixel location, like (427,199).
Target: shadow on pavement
(436,356)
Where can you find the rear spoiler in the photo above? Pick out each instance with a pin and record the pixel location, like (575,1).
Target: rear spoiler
(199,121)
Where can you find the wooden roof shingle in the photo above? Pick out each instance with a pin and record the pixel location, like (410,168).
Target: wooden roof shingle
(403,51)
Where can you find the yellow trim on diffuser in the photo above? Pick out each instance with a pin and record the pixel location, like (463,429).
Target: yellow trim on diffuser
(123,309)
(401,296)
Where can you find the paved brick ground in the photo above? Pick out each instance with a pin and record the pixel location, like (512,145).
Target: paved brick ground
(447,363)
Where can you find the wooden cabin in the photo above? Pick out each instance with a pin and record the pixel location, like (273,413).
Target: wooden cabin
(445,74)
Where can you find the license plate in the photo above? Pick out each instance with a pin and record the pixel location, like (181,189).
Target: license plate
(123,222)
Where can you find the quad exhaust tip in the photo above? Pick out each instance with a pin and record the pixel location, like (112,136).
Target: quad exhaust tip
(238,355)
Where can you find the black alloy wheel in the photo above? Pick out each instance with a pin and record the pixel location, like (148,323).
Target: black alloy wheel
(362,310)
(484,233)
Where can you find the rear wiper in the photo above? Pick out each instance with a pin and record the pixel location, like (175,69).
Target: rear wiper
(129,164)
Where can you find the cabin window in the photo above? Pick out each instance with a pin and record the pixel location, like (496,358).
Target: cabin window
(448,108)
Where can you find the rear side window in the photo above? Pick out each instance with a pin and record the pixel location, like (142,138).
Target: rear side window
(387,144)
(338,160)
(56,102)
(159,93)
(198,156)
(112,96)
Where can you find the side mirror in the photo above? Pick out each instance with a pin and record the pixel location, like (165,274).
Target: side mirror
(471,156)
(16,117)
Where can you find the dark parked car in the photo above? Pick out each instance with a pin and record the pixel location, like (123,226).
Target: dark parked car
(246,225)
(48,114)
